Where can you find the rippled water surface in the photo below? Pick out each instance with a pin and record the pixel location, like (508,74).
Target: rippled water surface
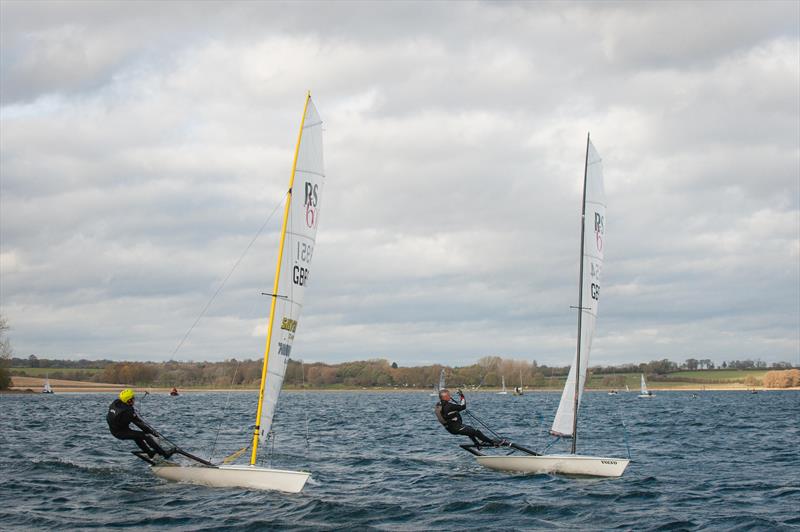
(723,460)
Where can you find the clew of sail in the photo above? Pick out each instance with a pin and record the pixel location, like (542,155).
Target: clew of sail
(594,218)
(295,254)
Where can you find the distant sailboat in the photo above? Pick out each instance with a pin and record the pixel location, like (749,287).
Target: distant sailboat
(436,390)
(503,391)
(627,389)
(645,392)
(46,388)
(518,389)
(295,249)
(565,424)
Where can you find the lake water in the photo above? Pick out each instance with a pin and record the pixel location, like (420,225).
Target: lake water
(380,461)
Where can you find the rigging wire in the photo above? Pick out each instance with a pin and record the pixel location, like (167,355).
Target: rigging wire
(224,411)
(305,398)
(484,425)
(227,277)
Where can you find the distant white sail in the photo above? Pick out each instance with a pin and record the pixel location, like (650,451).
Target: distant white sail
(594,224)
(644,386)
(297,249)
(441,380)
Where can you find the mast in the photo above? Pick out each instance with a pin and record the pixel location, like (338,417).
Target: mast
(274,294)
(580,307)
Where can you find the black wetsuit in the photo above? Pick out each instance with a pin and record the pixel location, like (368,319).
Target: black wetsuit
(120,416)
(454,425)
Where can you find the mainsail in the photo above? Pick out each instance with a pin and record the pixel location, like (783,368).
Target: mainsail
(441,380)
(644,386)
(298,234)
(592,241)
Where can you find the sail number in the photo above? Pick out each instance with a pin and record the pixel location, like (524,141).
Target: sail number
(304,252)
(284,349)
(595,291)
(300,275)
(288,324)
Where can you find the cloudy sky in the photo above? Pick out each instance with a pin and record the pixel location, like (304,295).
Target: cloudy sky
(144,144)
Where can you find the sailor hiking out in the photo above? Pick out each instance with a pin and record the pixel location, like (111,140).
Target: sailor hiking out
(121,414)
(447,412)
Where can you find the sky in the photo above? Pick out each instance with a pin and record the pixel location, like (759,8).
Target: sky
(143,145)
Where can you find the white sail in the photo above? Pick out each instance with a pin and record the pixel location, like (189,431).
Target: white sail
(298,250)
(441,380)
(592,257)
(644,386)
(503,391)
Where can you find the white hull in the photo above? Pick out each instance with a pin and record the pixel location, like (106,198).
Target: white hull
(568,464)
(252,477)
(644,395)
(502,393)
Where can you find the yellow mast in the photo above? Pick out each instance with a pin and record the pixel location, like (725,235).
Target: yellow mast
(275,288)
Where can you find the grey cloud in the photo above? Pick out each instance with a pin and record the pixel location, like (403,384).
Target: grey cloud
(143,144)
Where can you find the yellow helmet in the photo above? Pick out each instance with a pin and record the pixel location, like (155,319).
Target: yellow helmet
(126,395)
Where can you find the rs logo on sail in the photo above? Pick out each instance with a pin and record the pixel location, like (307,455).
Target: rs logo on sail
(310,203)
(599,229)
(288,324)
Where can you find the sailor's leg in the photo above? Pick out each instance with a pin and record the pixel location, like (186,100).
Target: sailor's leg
(474,433)
(138,437)
(483,437)
(156,447)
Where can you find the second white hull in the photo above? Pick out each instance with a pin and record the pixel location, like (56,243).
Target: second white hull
(568,464)
(251,477)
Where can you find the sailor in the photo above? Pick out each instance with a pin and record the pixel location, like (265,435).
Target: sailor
(121,414)
(447,412)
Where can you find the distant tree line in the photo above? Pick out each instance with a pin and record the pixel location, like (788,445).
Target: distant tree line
(5,355)
(487,372)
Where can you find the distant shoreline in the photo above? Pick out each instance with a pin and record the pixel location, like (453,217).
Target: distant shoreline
(34,385)
(165,391)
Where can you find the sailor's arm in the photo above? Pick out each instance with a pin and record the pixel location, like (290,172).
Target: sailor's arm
(142,424)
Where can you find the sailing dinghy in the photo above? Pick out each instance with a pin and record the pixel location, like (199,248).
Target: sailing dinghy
(435,392)
(565,424)
(296,247)
(645,391)
(503,391)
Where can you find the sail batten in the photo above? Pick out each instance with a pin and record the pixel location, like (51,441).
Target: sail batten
(591,257)
(296,249)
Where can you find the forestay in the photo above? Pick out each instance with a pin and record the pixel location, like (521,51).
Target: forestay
(297,251)
(592,257)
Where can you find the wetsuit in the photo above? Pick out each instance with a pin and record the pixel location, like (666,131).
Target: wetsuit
(452,422)
(120,416)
